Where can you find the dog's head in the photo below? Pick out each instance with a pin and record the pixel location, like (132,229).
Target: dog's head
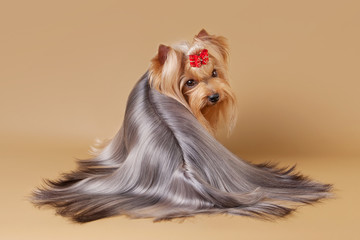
(196,75)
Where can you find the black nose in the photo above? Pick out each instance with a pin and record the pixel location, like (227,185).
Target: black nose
(214,98)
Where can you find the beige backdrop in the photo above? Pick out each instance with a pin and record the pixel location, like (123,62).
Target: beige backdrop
(67,67)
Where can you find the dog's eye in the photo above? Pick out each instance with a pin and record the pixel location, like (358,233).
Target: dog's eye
(214,73)
(190,83)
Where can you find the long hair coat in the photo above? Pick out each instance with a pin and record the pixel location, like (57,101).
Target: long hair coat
(163,164)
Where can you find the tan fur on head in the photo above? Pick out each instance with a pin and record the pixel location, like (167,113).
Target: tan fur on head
(170,71)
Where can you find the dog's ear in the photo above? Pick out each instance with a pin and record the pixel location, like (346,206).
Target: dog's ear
(202,33)
(162,53)
(165,72)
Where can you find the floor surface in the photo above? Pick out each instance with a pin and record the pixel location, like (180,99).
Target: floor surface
(27,162)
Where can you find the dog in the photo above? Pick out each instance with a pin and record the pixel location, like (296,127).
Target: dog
(165,163)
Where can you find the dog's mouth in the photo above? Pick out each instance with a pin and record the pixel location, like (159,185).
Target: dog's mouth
(207,104)
(210,104)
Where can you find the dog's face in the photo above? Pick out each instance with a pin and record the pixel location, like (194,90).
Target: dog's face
(203,89)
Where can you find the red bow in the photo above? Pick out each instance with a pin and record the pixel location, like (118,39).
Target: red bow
(199,59)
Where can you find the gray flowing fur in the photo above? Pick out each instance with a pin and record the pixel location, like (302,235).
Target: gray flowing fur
(163,164)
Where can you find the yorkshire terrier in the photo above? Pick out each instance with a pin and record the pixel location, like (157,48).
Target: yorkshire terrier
(165,163)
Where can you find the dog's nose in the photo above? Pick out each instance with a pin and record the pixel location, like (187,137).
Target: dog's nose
(214,98)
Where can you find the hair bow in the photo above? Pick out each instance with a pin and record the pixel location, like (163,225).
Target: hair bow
(199,59)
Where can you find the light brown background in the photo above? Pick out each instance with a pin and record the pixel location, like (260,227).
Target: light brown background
(67,67)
